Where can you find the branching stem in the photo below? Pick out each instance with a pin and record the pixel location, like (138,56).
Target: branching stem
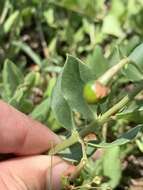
(99,121)
(92,127)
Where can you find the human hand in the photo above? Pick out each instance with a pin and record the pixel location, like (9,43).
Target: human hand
(27,138)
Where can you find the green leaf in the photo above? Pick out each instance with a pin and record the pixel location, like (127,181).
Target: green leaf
(12,77)
(117,8)
(23,90)
(86,73)
(30,79)
(94,60)
(72,86)
(135,73)
(41,111)
(51,84)
(123,139)
(51,122)
(111,26)
(18,96)
(26,106)
(60,107)
(10,21)
(72,154)
(27,49)
(90,29)
(137,55)
(49,16)
(112,166)
(139,143)
(126,49)
(134,115)
(115,56)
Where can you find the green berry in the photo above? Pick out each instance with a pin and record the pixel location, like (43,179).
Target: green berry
(89,92)
(94,91)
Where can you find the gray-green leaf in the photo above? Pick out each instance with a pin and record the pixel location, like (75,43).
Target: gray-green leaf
(112,166)
(72,86)
(27,49)
(12,77)
(135,73)
(41,111)
(60,107)
(111,25)
(10,21)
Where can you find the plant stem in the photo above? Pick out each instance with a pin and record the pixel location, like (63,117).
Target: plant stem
(120,104)
(66,143)
(42,38)
(99,121)
(110,73)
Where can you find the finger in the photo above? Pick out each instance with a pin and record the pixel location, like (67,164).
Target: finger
(33,173)
(22,135)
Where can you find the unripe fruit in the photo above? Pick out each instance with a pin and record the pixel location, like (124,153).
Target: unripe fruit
(94,91)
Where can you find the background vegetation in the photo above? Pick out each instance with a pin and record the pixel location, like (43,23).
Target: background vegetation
(35,37)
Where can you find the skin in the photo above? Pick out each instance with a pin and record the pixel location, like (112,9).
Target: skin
(27,139)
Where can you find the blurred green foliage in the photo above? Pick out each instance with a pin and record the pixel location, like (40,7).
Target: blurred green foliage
(35,37)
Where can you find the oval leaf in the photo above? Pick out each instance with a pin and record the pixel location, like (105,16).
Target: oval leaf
(41,111)
(12,77)
(112,166)
(72,87)
(60,107)
(135,73)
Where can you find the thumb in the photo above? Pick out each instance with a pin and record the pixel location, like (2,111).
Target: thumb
(35,172)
